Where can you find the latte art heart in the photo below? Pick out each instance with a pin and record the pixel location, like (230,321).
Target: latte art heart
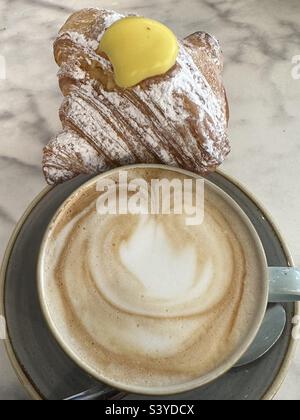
(160,279)
(149,255)
(146,300)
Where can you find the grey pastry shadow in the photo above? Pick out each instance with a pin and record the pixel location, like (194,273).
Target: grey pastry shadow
(54,376)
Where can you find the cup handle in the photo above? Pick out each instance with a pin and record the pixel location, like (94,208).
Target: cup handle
(284,284)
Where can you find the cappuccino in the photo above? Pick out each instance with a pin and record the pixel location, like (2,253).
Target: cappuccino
(147,301)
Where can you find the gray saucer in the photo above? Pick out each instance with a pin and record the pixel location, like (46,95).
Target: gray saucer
(48,373)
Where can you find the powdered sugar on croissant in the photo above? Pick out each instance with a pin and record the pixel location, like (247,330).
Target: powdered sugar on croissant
(179,119)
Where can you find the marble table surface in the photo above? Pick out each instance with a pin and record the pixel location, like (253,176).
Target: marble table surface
(260,39)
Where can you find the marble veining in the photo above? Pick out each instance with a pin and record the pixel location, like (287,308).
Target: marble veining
(259,39)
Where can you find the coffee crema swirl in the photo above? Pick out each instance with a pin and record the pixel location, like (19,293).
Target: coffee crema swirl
(146,300)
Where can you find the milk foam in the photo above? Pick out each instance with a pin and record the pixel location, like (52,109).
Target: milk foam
(147,300)
(150,256)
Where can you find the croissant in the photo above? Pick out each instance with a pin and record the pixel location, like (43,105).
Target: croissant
(179,119)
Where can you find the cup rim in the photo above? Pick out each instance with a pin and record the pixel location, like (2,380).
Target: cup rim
(178,388)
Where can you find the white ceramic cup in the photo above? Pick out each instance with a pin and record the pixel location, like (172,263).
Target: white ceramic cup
(278,285)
